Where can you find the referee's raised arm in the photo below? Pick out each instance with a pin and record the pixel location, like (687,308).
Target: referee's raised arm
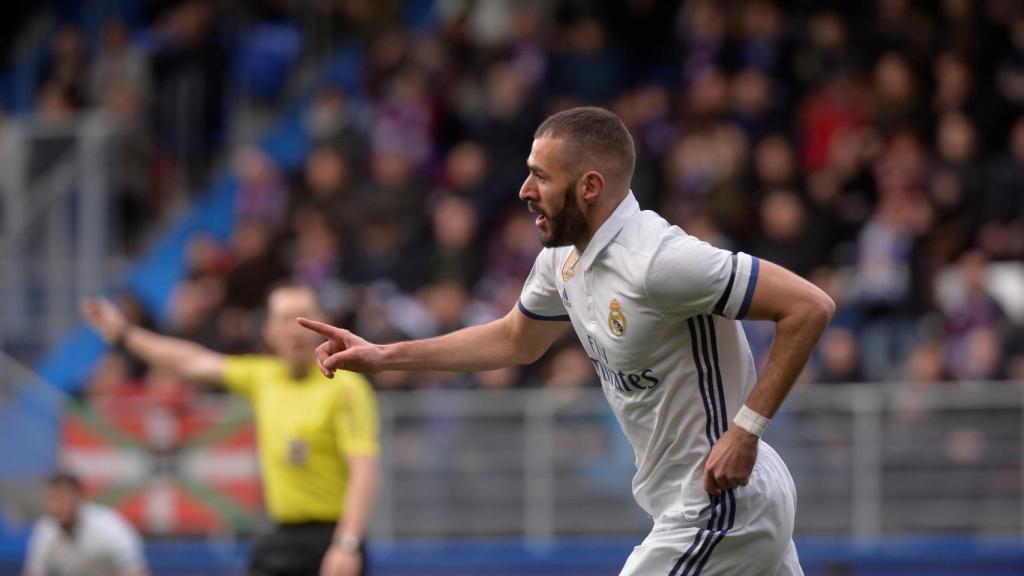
(182,358)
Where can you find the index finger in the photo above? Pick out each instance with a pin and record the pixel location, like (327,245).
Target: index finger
(325,330)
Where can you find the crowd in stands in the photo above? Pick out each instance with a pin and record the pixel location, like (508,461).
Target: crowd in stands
(875,148)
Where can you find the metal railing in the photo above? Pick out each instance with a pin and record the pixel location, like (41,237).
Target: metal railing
(544,464)
(868,460)
(55,228)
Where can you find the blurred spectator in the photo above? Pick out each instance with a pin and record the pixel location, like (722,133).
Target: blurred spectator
(974,324)
(956,184)
(192,309)
(118,63)
(188,66)
(466,173)
(925,364)
(586,66)
(385,252)
(840,357)
(257,266)
(81,538)
(456,253)
(317,255)
(1001,224)
(326,187)
(67,68)
(786,236)
(112,377)
(330,120)
(261,193)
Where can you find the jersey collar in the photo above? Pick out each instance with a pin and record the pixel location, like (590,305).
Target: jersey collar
(626,209)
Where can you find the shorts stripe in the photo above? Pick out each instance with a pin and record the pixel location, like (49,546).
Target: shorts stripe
(721,533)
(709,535)
(696,539)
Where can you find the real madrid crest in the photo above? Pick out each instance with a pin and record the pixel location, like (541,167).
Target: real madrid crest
(616,319)
(570,266)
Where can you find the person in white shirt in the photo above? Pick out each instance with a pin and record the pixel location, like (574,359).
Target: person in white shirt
(81,538)
(657,312)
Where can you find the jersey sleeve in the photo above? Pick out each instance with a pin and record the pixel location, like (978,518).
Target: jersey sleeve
(357,423)
(540,298)
(688,276)
(242,374)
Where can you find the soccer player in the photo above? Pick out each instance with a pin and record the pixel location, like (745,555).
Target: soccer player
(657,311)
(81,538)
(318,440)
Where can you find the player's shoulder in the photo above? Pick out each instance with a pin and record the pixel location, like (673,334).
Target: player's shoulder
(45,529)
(644,234)
(100,517)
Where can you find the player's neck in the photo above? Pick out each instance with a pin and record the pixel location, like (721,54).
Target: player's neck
(299,370)
(596,217)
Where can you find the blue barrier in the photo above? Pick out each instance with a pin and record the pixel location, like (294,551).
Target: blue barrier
(820,556)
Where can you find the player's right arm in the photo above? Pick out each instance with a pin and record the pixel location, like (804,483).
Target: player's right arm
(513,339)
(185,359)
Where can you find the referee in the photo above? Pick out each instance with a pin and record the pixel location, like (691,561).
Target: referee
(318,438)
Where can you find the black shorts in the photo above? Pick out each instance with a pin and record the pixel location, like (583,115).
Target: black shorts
(294,550)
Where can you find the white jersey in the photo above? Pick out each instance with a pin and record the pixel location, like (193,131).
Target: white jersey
(102,544)
(656,311)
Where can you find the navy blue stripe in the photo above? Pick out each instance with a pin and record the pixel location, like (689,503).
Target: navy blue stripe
(707,541)
(700,380)
(711,379)
(749,294)
(718,373)
(723,508)
(732,511)
(728,500)
(720,305)
(529,314)
(721,534)
(686,555)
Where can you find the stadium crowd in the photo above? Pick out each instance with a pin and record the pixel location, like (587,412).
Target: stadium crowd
(876,148)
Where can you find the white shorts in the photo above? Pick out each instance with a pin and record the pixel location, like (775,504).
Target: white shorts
(748,531)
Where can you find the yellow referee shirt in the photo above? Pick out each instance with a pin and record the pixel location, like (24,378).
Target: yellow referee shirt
(306,429)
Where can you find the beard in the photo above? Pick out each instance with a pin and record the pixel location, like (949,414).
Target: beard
(567,226)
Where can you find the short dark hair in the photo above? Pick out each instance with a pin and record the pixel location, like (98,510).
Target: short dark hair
(291,284)
(594,134)
(65,479)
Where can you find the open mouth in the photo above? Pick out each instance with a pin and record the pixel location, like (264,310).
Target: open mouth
(541,219)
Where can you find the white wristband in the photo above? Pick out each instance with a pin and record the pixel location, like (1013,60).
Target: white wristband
(751,421)
(348,542)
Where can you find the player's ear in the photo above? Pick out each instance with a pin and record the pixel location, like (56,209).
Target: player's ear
(591,186)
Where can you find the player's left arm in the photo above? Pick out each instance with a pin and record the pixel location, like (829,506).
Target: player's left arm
(801,311)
